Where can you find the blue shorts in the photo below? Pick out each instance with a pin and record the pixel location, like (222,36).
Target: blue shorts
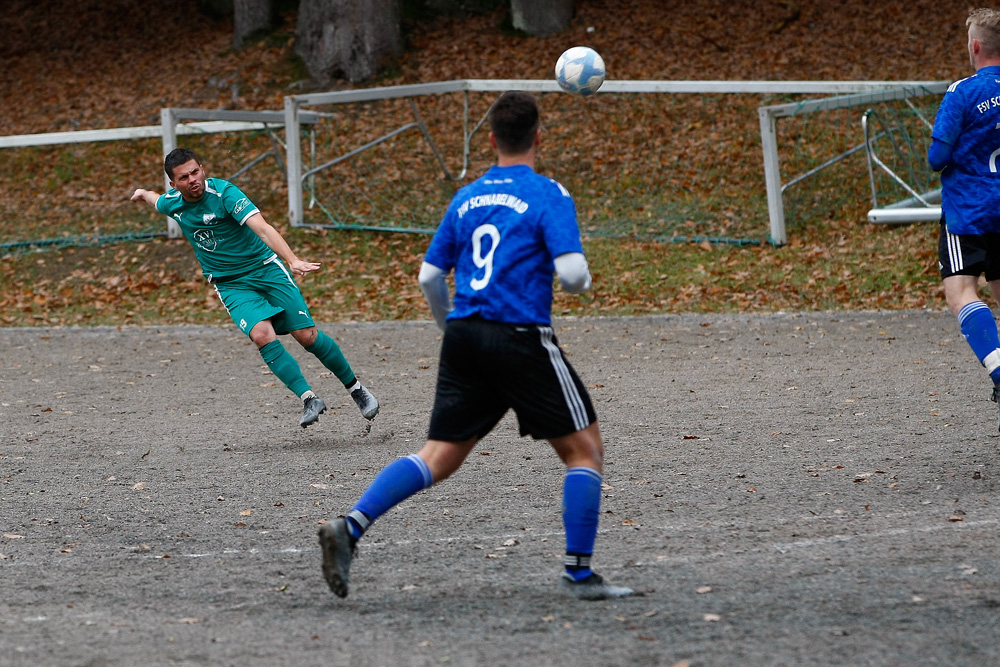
(266,293)
(487,368)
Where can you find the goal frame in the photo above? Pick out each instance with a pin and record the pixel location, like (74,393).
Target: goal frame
(769,116)
(294,108)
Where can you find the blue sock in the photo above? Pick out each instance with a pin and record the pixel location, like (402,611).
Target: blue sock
(980,331)
(581,510)
(398,481)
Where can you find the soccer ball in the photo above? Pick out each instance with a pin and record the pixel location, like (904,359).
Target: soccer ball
(580,71)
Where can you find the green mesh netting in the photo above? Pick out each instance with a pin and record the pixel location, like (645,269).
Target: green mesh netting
(638,165)
(824,166)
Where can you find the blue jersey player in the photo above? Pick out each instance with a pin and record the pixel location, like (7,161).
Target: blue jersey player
(965,148)
(251,266)
(504,235)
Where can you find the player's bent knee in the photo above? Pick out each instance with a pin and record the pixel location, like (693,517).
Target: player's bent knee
(306,337)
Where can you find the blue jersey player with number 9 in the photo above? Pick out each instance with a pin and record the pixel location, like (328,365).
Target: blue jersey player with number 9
(965,148)
(504,235)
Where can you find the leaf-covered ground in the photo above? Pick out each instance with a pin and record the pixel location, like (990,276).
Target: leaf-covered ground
(89,65)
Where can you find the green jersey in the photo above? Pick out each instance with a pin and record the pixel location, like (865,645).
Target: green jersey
(215,227)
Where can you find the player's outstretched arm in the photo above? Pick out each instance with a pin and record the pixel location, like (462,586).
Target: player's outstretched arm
(573,272)
(276,242)
(147,196)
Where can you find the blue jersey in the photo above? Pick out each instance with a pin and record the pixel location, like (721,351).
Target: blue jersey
(501,234)
(215,227)
(968,120)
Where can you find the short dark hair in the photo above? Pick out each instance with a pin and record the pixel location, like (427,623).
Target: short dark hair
(514,121)
(176,158)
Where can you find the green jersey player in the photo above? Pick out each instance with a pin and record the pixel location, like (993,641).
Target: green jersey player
(251,266)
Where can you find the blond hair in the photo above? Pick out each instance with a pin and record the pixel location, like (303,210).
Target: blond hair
(987,22)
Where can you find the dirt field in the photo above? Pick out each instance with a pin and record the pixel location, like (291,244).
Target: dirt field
(815,489)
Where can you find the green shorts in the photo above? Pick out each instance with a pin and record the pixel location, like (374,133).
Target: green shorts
(267,293)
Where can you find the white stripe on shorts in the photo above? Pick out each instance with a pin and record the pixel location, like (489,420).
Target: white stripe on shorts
(281,265)
(955,257)
(219,294)
(574,402)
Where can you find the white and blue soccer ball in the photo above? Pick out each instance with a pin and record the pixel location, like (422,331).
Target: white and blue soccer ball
(580,71)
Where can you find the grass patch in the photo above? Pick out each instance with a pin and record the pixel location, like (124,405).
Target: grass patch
(369,276)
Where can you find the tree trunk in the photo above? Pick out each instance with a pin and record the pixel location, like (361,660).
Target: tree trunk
(540,18)
(349,38)
(250,17)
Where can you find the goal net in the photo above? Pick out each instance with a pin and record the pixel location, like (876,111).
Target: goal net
(840,157)
(639,165)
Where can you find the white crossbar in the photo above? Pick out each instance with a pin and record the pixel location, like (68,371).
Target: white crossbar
(894,216)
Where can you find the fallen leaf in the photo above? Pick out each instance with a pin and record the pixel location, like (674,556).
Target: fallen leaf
(246,513)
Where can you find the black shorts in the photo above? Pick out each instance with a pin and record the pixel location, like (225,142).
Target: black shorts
(968,254)
(487,368)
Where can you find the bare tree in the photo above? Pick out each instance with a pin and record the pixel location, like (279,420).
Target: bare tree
(541,17)
(349,38)
(251,17)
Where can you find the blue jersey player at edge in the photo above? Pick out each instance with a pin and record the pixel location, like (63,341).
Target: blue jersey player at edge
(251,267)
(965,148)
(504,235)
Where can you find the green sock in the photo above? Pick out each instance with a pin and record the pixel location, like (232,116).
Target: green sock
(328,352)
(284,366)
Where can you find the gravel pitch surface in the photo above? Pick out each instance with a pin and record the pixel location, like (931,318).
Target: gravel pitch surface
(788,489)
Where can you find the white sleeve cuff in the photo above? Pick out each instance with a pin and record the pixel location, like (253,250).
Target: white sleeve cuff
(573,272)
(435,287)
